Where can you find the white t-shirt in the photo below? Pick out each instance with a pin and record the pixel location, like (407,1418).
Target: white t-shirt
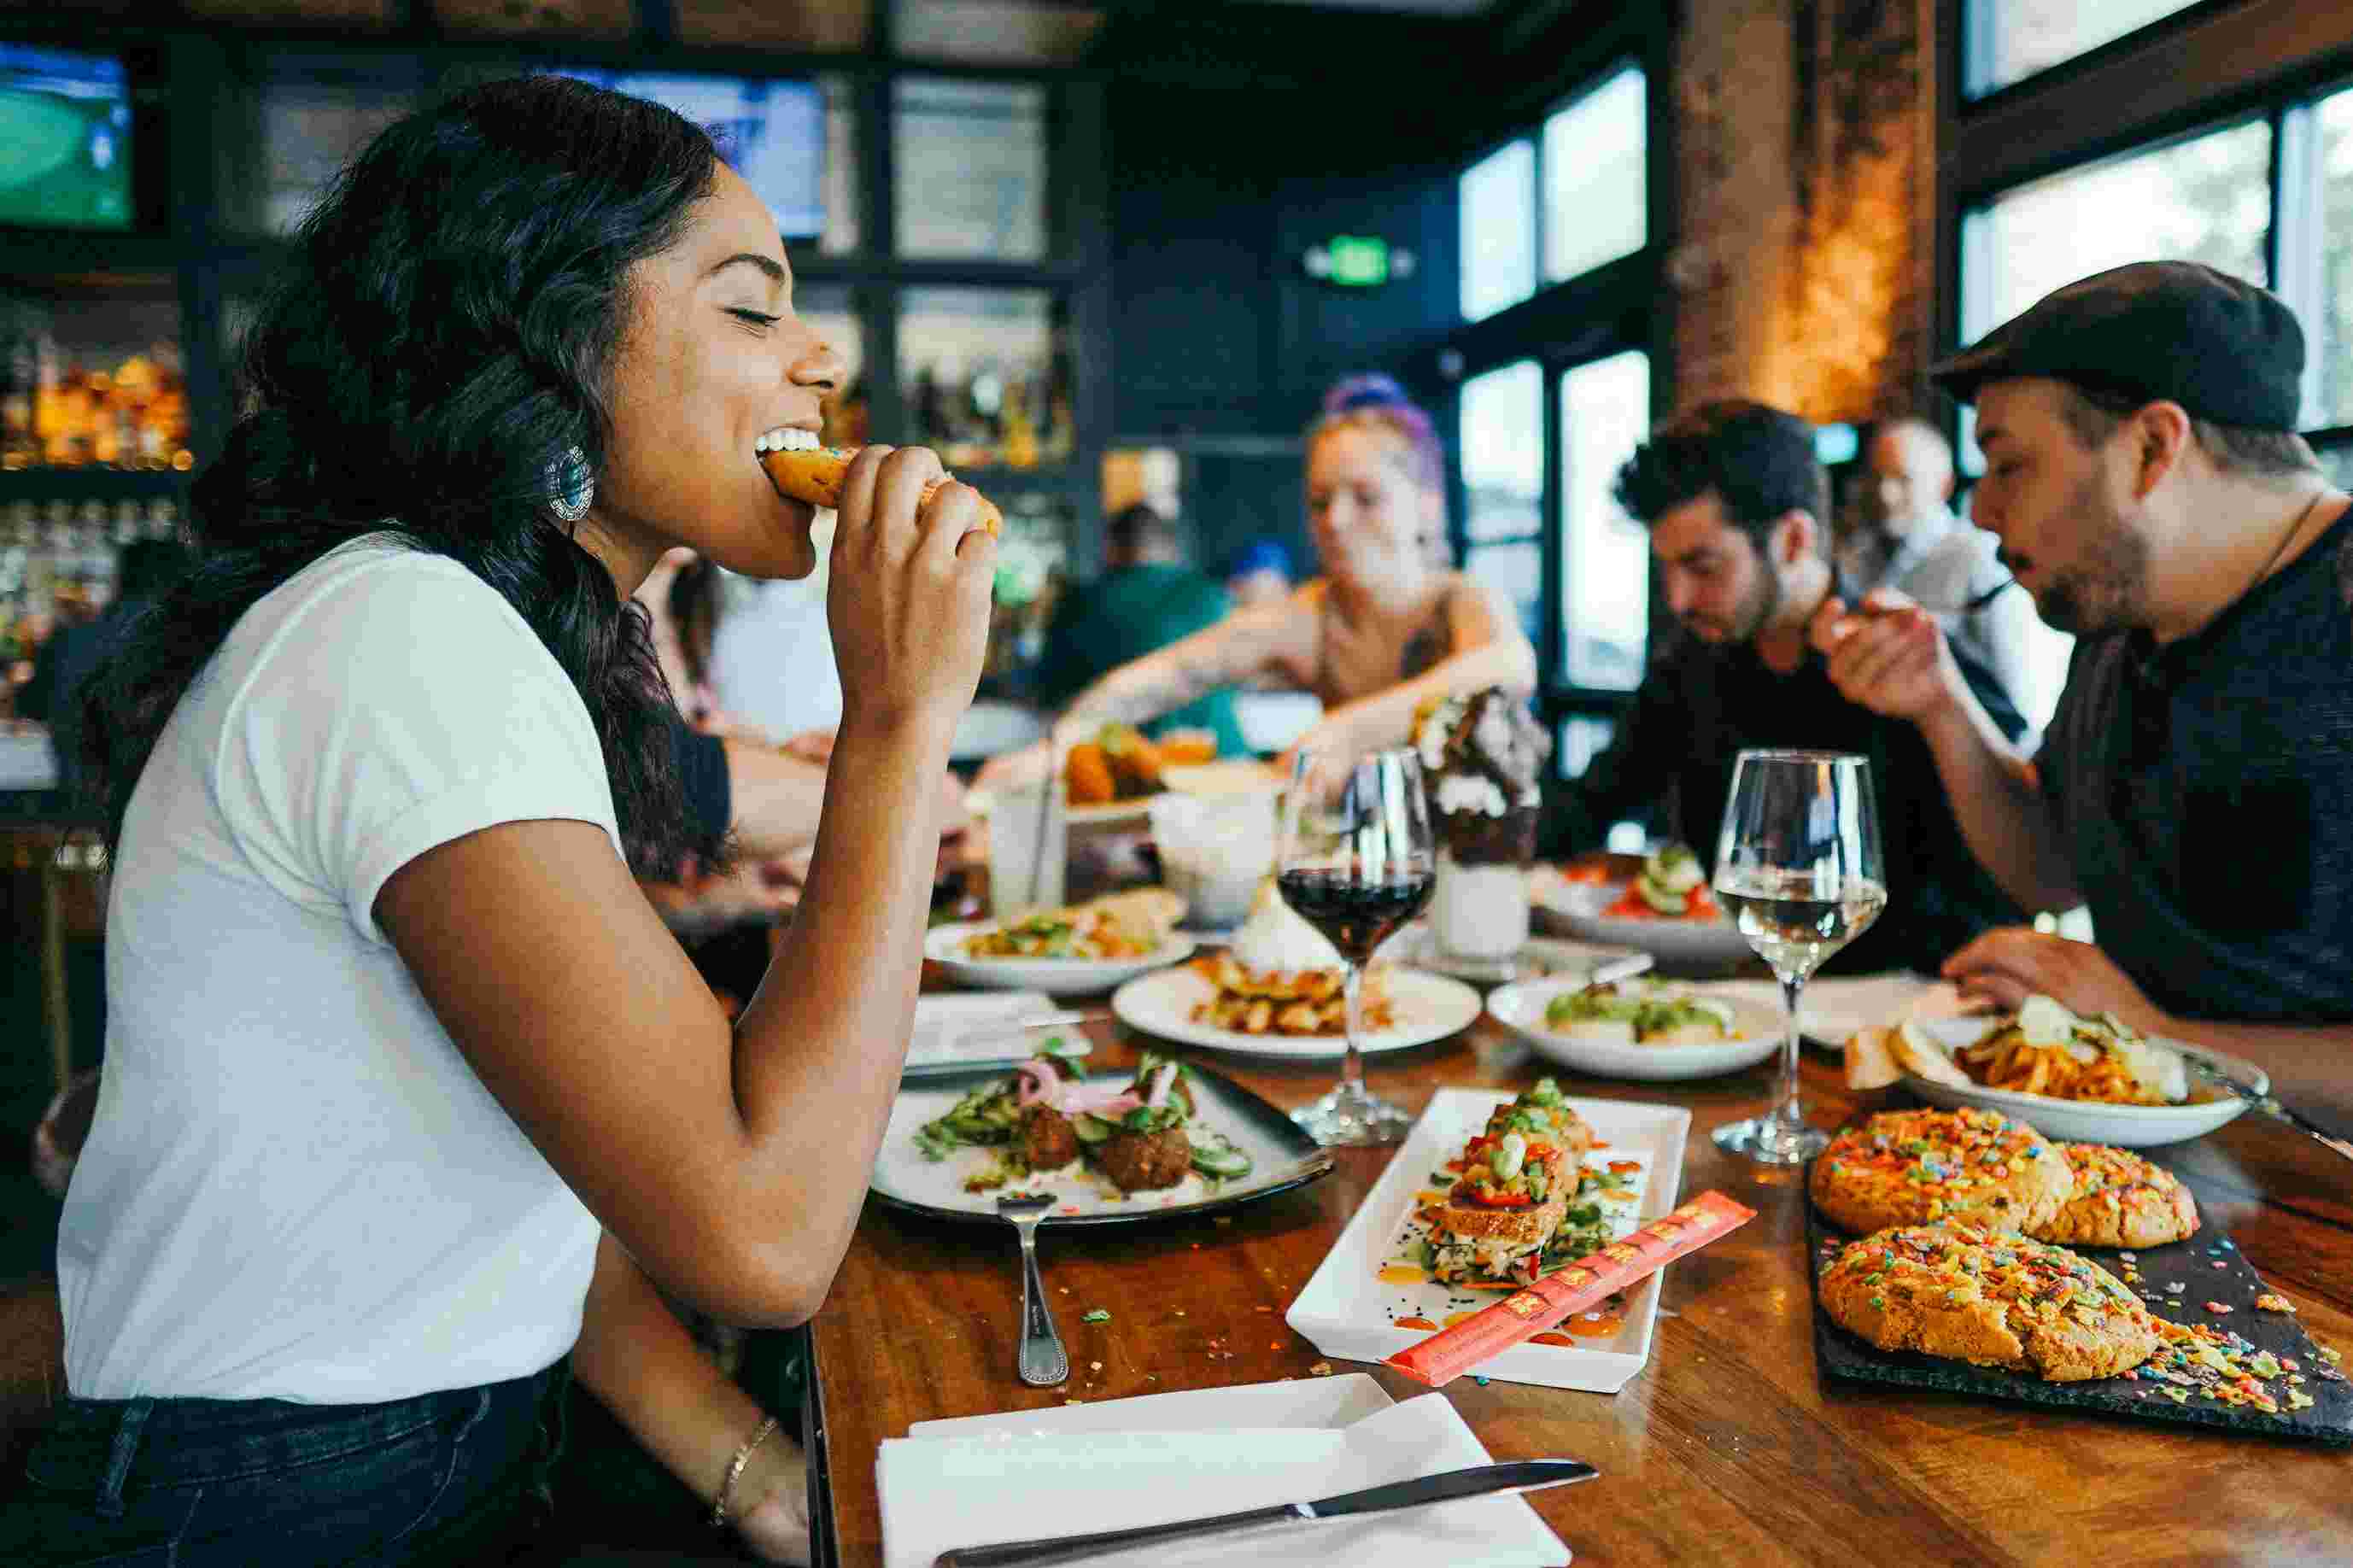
(296,1188)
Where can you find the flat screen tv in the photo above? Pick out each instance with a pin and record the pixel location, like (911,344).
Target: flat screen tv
(770,132)
(65,138)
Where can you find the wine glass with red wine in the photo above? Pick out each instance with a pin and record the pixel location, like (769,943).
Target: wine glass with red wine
(1356,862)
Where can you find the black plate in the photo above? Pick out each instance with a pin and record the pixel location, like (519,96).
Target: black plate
(2190,1264)
(1225,1105)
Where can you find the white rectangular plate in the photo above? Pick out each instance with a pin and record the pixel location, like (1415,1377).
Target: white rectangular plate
(1348,1309)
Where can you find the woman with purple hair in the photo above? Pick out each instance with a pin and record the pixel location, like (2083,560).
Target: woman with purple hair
(1384,629)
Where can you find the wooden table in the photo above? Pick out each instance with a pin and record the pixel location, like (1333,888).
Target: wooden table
(1726,1448)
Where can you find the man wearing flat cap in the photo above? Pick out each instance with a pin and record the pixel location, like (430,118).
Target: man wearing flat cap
(2194,789)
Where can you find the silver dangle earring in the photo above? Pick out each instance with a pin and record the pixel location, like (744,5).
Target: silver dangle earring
(571,487)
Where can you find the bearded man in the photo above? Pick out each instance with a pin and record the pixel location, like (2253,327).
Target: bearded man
(1737,504)
(2194,789)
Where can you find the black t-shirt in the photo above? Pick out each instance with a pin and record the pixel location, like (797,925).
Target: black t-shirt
(2205,790)
(1669,764)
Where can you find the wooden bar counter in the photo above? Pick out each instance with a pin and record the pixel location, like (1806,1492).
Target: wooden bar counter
(1727,1447)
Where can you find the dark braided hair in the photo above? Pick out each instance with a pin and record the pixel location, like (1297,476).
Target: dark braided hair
(444,332)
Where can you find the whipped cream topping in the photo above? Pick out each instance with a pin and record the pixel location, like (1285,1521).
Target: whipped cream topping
(1275,940)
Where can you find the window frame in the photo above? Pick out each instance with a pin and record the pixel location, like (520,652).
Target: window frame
(2099,106)
(1620,305)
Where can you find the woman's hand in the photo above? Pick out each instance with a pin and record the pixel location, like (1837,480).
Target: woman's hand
(908,596)
(771,1501)
(1019,769)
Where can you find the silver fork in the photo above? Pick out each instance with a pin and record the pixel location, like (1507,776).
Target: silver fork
(2269,1105)
(1044,1363)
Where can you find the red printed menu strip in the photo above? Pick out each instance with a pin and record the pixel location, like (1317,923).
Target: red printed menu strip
(1546,1301)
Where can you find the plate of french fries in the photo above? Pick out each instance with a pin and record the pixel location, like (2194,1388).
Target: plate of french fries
(2081,1079)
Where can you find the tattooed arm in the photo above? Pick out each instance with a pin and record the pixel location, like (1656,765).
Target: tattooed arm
(1487,649)
(1277,638)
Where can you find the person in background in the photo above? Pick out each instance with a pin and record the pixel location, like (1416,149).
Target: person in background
(54,695)
(2194,789)
(1260,574)
(1381,632)
(1909,540)
(411,1103)
(1145,599)
(1734,500)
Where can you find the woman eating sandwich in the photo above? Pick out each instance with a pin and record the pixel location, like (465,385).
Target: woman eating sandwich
(410,1101)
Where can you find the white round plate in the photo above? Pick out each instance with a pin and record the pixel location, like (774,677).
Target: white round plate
(2089,1120)
(1539,958)
(1227,775)
(1427,1006)
(1521,1009)
(944,946)
(1575,908)
(1136,811)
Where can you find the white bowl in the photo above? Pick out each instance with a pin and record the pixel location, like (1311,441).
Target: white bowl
(944,946)
(1521,1009)
(1574,909)
(2091,1121)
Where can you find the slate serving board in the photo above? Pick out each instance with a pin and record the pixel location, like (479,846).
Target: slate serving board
(2206,1267)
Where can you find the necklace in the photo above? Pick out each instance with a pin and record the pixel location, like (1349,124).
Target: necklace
(2288,538)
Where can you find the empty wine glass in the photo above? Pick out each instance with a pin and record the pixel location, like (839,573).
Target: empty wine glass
(1798,866)
(1356,862)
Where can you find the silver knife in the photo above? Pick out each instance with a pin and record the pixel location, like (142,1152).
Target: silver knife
(1481,1480)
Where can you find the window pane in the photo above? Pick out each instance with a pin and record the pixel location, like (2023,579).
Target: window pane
(970,167)
(983,375)
(1499,230)
(1577,742)
(1594,177)
(2333,318)
(1604,411)
(2207,199)
(2336,462)
(1503,453)
(1516,571)
(2013,38)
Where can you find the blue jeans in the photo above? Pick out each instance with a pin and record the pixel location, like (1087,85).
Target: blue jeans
(450,1477)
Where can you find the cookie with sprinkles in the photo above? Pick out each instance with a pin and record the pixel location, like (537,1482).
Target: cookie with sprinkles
(2121,1200)
(1911,1167)
(1992,1298)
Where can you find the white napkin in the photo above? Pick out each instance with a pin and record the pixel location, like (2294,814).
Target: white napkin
(1834,1008)
(970,1025)
(943,1492)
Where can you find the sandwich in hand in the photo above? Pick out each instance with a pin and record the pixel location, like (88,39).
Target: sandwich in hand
(814,474)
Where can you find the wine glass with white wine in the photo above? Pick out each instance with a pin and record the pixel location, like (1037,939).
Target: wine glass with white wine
(1798,866)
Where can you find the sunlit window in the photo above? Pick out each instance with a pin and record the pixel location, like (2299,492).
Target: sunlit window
(2329,318)
(1503,452)
(2011,39)
(2206,199)
(1502,442)
(1499,230)
(1595,183)
(1604,411)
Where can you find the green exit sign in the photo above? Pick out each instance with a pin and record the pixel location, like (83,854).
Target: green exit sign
(1357,261)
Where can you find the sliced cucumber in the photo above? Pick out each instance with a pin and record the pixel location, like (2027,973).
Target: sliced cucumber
(1663,898)
(1213,1156)
(1091,1129)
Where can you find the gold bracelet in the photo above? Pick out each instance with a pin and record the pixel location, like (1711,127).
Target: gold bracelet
(736,1472)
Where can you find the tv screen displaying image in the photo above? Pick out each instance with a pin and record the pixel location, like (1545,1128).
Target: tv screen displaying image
(65,140)
(771,132)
